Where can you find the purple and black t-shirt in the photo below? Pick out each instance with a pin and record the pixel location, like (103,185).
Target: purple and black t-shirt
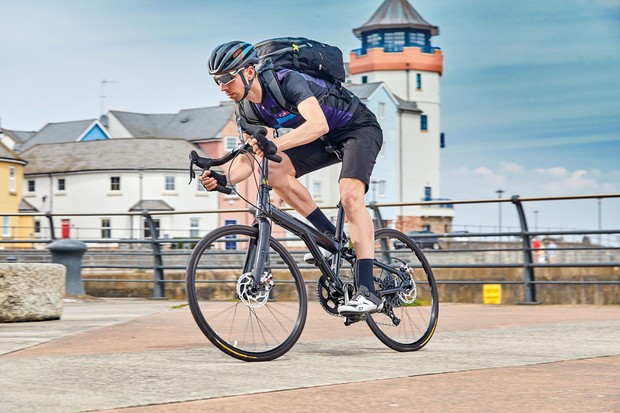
(296,87)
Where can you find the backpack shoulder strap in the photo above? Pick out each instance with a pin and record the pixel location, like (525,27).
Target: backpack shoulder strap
(272,84)
(247,112)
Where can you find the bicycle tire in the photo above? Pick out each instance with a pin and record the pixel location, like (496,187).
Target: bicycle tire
(245,326)
(418,310)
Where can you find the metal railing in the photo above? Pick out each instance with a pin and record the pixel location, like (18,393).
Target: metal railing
(502,249)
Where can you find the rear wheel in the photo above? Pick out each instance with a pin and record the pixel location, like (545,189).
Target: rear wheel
(248,323)
(410,313)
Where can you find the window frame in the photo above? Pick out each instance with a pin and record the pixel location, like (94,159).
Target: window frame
(170,183)
(424,123)
(106,230)
(115,183)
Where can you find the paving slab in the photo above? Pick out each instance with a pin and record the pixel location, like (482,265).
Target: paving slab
(148,356)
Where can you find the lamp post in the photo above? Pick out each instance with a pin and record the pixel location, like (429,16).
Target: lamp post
(499,237)
(499,196)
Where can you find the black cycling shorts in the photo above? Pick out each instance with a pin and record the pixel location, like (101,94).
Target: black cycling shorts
(359,143)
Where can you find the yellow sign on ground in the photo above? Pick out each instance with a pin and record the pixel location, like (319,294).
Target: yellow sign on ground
(492,294)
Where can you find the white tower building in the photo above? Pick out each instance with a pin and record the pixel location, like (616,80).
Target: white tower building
(396,49)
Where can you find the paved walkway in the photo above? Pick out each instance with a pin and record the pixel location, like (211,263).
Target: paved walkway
(130,355)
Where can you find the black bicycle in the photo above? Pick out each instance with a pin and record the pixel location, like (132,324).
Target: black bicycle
(248,296)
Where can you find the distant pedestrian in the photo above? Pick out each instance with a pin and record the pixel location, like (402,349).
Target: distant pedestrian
(551,251)
(538,253)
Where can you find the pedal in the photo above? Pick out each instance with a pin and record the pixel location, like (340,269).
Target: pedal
(348,320)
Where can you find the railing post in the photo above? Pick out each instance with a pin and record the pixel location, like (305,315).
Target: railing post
(378,219)
(159,288)
(50,219)
(528,269)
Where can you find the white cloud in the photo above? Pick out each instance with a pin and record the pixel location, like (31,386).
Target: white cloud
(510,168)
(555,172)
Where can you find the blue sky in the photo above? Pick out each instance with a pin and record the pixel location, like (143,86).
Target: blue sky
(530,91)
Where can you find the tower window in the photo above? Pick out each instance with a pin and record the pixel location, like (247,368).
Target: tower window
(373,40)
(418,81)
(364,79)
(394,41)
(424,123)
(417,39)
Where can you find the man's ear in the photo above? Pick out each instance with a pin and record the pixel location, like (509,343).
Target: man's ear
(251,71)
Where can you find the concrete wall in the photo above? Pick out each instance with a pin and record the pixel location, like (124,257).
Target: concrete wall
(448,293)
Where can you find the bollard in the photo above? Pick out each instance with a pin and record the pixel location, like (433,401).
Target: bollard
(69,253)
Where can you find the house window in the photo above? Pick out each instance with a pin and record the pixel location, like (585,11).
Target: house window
(170,183)
(37,227)
(316,189)
(424,122)
(231,143)
(381,110)
(12,186)
(418,81)
(61,184)
(428,193)
(106,228)
(115,183)
(31,185)
(364,79)
(147,229)
(6,227)
(194,224)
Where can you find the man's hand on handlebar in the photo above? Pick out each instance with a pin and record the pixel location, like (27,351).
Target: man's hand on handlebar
(210,180)
(258,140)
(261,145)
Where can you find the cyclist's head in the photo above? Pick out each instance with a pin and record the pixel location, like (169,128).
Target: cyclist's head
(232,56)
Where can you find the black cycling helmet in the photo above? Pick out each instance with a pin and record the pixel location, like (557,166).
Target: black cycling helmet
(232,56)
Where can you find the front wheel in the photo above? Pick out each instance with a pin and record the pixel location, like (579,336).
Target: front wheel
(246,322)
(409,316)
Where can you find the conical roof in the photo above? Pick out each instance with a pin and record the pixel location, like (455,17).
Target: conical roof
(396,14)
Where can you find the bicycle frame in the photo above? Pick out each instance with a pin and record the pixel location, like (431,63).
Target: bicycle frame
(313,239)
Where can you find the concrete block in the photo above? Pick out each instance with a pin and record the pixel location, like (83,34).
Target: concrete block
(31,292)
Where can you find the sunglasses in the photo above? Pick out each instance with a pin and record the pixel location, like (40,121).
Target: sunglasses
(227,78)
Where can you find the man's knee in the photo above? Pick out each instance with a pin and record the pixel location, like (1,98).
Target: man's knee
(352,193)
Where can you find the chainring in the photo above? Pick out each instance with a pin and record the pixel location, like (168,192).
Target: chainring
(327,297)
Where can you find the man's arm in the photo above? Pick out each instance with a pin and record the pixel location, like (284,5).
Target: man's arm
(313,128)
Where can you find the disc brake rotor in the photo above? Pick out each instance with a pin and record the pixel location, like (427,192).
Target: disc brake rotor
(253,299)
(409,296)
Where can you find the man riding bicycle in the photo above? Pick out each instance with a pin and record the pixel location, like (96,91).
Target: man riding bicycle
(324,115)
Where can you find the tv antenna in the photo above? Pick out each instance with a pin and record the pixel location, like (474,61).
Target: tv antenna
(102,96)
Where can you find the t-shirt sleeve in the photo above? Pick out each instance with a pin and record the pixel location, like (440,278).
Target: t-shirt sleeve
(295,88)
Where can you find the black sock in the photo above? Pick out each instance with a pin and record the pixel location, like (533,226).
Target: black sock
(321,222)
(364,274)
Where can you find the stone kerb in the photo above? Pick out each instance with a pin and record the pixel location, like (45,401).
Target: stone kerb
(31,292)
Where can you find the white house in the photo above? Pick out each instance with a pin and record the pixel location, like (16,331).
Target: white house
(117,176)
